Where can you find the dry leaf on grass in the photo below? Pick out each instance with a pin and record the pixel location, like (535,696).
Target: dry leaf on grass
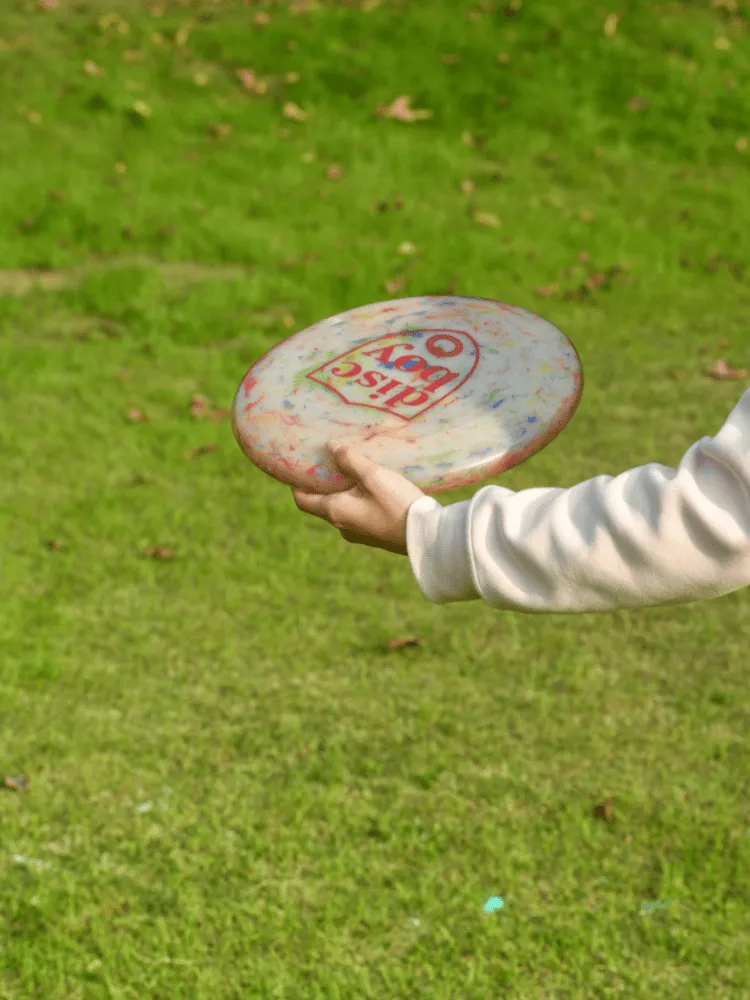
(721,371)
(251,82)
(399,643)
(393,285)
(136,416)
(334,172)
(54,544)
(202,409)
(219,132)
(595,281)
(203,449)
(383,206)
(544,291)
(92,69)
(293,112)
(157,552)
(401,111)
(15,783)
(604,810)
(487,219)
(610,25)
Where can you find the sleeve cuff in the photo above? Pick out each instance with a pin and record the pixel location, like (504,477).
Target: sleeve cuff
(438,549)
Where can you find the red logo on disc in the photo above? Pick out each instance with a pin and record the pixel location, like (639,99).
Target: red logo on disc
(401,373)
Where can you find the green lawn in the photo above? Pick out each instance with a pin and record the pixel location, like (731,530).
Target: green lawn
(237,790)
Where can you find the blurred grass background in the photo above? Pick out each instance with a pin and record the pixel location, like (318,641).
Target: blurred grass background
(236,789)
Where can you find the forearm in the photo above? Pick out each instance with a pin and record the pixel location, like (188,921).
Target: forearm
(651,536)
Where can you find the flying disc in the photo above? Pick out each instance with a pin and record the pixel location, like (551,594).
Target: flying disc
(446,390)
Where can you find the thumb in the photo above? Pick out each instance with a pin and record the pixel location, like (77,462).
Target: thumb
(351,461)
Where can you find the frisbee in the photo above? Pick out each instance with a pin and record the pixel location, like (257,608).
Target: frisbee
(446,390)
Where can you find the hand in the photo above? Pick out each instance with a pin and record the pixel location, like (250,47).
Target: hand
(373,512)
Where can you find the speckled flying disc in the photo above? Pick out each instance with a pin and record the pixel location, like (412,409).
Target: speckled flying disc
(446,390)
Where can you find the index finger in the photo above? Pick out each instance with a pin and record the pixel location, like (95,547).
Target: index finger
(313,503)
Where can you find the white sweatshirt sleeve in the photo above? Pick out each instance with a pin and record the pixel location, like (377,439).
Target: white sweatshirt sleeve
(651,536)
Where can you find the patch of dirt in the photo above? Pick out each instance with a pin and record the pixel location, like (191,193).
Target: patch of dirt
(176,274)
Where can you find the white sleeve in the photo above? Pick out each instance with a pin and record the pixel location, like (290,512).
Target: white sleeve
(651,536)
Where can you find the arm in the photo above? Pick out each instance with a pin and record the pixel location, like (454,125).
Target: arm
(651,536)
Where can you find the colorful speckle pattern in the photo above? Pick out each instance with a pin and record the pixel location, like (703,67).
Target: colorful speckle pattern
(448,391)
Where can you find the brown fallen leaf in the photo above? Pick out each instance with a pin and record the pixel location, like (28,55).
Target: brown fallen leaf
(604,810)
(487,219)
(610,25)
(251,82)
(136,416)
(157,552)
(133,55)
(721,371)
(401,111)
(544,291)
(219,132)
(595,281)
(393,285)
(54,544)
(334,172)
(399,643)
(262,19)
(200,408)
(203,449)
(636,104)
(14,783)
(293,112)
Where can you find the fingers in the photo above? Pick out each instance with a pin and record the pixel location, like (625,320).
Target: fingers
(312,503)
(351,461)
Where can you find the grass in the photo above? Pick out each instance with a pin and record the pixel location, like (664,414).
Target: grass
(236,789)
